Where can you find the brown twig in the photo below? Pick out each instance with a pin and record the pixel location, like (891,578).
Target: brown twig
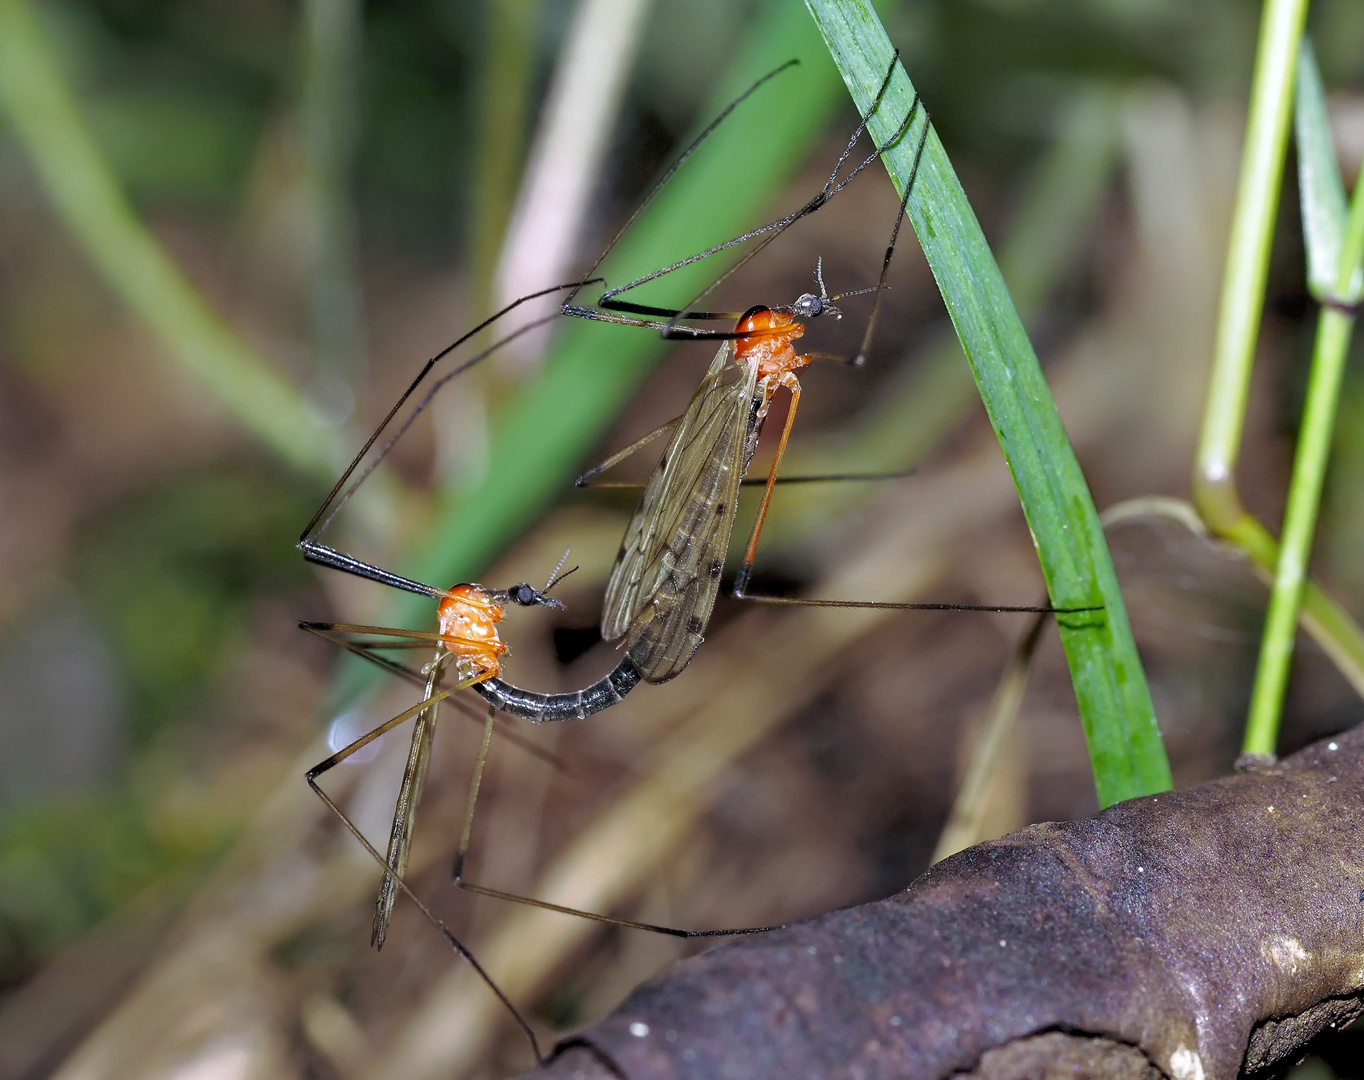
(1207,932)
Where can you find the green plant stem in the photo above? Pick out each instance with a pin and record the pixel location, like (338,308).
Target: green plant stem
(1243,287)
(1321,617)
(87,197)
(1334,331)
(1329,625)
(1124,741)
(1214,476)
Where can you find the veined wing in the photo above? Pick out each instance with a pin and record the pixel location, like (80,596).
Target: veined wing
(405,811)
(682,546)
(681,582)
(638,547)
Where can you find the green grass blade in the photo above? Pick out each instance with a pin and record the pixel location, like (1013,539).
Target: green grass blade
(1125,746)
(1319,182)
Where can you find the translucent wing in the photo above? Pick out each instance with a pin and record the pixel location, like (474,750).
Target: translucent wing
(667,574)
(622,599)
(405,812)
(680,583)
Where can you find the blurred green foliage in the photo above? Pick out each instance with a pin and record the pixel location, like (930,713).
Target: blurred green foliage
(171,574)
(67,863)
(177,93)
(175,149)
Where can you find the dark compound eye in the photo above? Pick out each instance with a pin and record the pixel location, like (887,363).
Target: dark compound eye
(524,595)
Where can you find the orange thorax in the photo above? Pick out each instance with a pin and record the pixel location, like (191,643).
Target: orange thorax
(766,341)
(468,629)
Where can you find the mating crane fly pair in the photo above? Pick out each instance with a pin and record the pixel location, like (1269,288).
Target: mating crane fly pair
(667,574)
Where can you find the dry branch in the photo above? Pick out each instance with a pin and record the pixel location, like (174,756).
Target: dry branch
(1188,935)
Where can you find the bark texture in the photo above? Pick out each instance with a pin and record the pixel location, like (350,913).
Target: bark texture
(1190,935)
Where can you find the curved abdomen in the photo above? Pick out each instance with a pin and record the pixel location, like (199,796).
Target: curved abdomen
(574,705)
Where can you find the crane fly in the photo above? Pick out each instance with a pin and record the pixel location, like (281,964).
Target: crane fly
(467,640)
(745,342)
(667,574)
(466,646)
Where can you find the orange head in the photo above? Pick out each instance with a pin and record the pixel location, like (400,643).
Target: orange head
(468,628)
(766,339)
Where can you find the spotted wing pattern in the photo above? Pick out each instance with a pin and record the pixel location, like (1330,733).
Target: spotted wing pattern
(667,575)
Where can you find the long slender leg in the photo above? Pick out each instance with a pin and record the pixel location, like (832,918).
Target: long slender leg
(585,480)
(324,555)
(455,943)
(746,567)
(461,857)
(768,232)
(863,349)
(886,605)
(609,309)
(475,782)
(741,579)
(327,764)
(426,368)
(653,193)
(366,651)
(336,503)
(834,478)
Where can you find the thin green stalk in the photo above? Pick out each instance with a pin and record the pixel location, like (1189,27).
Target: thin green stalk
(1334,330)
(1124,741)
(1214,475)
(87,197)
(1329,625)
(1243,287)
